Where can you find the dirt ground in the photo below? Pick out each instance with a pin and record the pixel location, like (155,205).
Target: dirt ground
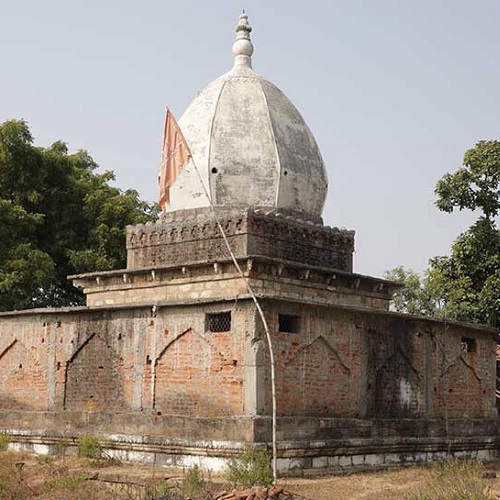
(390,484)
(378,485)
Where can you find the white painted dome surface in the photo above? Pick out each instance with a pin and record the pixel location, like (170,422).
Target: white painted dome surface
(250,145)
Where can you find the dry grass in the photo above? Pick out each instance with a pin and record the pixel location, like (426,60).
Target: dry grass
(455,481)
(26,477)
(439,482)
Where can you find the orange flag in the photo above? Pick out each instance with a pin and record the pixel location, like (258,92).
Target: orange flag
(174,156)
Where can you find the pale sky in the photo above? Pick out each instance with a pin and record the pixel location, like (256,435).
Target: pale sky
(394,92)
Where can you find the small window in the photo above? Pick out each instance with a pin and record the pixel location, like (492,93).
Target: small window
(218,322)
(288,323)
(468,345)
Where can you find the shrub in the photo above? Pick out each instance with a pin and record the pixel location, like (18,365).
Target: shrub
(251,469)
(455,480)
(4,484)
(89,447)
(193,482)
(161,489)
(4,441)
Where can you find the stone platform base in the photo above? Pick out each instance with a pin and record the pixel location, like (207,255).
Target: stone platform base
(295,466)
(297,455)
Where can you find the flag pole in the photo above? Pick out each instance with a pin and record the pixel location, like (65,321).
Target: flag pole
(264,322)
(247,283)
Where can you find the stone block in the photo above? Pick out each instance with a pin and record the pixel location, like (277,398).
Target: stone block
(283,464)
(391,458)
(300,463)
(140,456)
(41,449)
(485,455)
(164,459)
(437,456)
(374,460)
(345,461)
(117,453)
(319,462)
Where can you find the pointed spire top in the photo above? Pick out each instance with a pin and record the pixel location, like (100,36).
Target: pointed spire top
(242,47)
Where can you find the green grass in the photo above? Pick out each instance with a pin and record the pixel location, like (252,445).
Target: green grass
(69,483)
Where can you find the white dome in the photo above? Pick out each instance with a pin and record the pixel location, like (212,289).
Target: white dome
(250,145)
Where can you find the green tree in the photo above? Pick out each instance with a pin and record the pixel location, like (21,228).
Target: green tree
(58,216)
(24,269)
(464,285)
(474,186)
(468,280)
(414,296)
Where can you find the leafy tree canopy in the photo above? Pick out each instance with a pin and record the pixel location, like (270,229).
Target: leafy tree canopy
(464,285)
(58,216)
(414,297)
(474,186)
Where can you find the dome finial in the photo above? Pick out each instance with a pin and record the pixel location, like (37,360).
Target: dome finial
(242,47)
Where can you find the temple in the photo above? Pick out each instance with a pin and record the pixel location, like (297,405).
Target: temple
(168,363)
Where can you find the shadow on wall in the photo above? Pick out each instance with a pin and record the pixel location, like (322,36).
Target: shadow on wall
(94,377)
(394,381)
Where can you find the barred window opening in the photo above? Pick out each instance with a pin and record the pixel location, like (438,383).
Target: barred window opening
(288,323)
(218,322)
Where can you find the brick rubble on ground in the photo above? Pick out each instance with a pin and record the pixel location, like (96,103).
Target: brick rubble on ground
(257,493)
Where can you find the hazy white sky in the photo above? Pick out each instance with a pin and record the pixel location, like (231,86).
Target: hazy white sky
(394,91)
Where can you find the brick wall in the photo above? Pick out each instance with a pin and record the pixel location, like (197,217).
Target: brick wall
(104,362)
(154,364)
(202,372)
(193,236)
(23,381)
(353,364)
